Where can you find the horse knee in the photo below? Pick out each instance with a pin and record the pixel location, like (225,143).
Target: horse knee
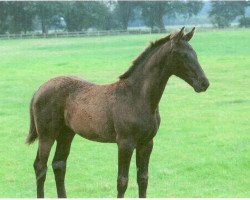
(122,183)
(40,173)
(59,165)
(59,168)
(142,179)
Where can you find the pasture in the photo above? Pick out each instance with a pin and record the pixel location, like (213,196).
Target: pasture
(202,148)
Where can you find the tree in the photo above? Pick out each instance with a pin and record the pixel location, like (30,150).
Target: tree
(45,12)
(153,12)
(73,15)
(98,16)
(223,13)
(185,9)
(188,8)
(57,22)
(124,12)
(3,17)
(244,22)
(83,15)
(21,16)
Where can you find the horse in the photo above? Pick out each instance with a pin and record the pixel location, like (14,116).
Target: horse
(125,112)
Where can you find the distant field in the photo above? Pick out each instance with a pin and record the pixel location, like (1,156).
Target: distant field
(201,150)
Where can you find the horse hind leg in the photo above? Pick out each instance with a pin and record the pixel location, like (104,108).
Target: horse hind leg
(64,141)
(40,164)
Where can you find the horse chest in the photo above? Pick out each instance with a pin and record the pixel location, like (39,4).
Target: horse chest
(141,128)
(147,131)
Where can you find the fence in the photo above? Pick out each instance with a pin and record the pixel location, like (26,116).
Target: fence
(99,33)
(79,34)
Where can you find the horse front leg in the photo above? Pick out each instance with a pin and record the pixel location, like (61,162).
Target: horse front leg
(125,151)
(143,153)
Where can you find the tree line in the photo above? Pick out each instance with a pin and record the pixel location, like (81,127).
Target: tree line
(25,16)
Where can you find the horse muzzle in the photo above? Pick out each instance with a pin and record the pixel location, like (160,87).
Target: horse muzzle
(201,85)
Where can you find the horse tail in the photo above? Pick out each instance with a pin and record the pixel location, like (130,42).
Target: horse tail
(32,132)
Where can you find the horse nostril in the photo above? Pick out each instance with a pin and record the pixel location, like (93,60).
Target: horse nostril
(205,84)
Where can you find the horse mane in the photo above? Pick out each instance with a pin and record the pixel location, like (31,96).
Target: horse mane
(144,55)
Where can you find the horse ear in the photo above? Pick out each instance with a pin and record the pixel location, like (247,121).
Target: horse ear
(182,31)
(189,35)
(178,36)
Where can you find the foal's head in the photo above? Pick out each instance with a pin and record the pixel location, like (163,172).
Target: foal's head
(185,63)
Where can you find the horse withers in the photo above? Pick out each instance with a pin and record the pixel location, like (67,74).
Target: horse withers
(125,112)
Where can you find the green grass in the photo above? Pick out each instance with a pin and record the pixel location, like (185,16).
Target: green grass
(202,148)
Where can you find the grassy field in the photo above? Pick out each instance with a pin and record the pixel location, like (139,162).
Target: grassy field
(202,148)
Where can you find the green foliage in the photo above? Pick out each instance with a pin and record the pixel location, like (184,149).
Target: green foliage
(21,14)
(72,15)
(201,149)
(224,12)
(100,16)
(153,12)
(188,8)
(244,22)
(83,15)
(124,12)
(3,17)
(45,11)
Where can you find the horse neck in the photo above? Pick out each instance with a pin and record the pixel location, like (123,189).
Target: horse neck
(150,79)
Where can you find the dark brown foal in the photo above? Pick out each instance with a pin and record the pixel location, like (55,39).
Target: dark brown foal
(125,112)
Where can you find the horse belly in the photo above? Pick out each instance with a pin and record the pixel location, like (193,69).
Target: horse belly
(92,124)
(102,133)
